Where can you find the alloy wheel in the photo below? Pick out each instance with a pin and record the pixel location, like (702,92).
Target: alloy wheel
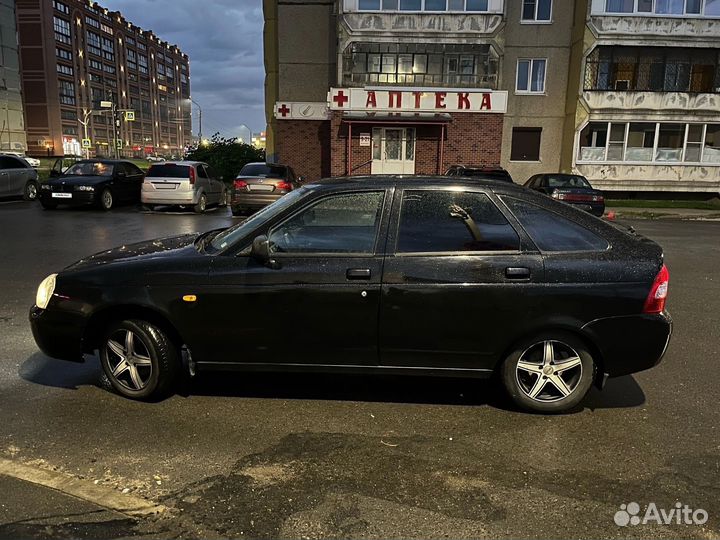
(549,371)
(107,200)
(129,359)
(31,191)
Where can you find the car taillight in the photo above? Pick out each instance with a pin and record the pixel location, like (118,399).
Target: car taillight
(240,184)
(192,175)
(655,302)
(283,185)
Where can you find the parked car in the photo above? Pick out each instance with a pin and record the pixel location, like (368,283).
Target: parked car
(259,184)
(397,275)
(17,178)
(33,162)
(184,183)
(570,188)
(155,159)
(101,182)
(485,172)
(63,163)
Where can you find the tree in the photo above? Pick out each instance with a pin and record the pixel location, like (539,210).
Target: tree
(226,156)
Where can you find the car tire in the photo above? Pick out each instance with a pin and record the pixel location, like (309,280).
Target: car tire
(237,211)
(105,202)
(225,199)
(30,193)
(144,366)
(149,207)
(201,204)
(48,205)
(550,372)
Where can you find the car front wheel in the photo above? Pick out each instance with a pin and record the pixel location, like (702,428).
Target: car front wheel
(106,199)
(549,373)
(31,191)
(138,360)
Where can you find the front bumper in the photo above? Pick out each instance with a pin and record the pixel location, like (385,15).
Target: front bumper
(59,334)
(596,209)
(76,198)
(632,343)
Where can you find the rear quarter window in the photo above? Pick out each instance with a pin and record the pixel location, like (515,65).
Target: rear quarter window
(553,232)
(169,171)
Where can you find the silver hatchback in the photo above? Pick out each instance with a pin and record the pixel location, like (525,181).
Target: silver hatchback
(17,178)
(184,183)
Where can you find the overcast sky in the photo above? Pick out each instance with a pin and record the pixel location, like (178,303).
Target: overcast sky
(223,39)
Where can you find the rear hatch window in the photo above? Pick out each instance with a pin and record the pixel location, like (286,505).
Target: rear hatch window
(169,171)
(262,169)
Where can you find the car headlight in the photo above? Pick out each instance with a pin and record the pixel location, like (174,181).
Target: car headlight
(84,188)
(45,291)
(45,186)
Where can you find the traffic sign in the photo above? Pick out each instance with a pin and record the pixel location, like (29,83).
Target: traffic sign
(86,143)
(106,104)
(129,116)
(119,144)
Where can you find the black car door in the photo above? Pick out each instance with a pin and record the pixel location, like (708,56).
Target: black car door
(458,280)
(317,303)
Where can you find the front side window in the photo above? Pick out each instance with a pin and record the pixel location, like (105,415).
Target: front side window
(553,232)
(451,221)
(536,10)
(345,224)
(530,76)
(90,168)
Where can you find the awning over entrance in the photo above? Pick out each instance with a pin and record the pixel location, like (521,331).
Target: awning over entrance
(360,117)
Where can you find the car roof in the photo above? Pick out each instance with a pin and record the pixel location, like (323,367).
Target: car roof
(404,181)
(265,163)
(186,163)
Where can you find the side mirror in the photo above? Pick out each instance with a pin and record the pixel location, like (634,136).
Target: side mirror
(260,251)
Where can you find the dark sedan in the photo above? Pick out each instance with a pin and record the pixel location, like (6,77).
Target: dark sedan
(99,182)
(570,188)
(260,184)
(432,276)
(483,172)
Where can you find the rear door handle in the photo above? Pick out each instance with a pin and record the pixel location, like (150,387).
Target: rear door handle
(358,273)
(517,272)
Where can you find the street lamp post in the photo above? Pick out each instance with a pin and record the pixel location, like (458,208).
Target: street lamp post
(200,118)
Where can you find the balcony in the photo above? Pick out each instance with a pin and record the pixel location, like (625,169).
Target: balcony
(651,177)
(652,101)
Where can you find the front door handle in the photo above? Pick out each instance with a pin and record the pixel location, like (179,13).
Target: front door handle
(517,272)
(358,273)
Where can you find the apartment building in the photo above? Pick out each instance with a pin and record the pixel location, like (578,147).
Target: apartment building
(414,86)
(644,105)
(622,91)
(12,123)
(74,55)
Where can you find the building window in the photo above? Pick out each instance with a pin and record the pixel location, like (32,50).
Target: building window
(108,69)
(67,92)
(525,144)
(69,130)
(131,59)
(530,76)
(708,8)
(650,142)
(424,5)
(141,46)
(108,49)
(65,70)
(94,64)
(62,30)
(536,11)
(653,69)
(464,65)
(92,22)
(62,8)
(93,43)
(62,53)
(105,28)
(142,64)
(68,115)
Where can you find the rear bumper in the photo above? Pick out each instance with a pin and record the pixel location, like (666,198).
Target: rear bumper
(631,343)
(59,334)
(254,200)
(151,195)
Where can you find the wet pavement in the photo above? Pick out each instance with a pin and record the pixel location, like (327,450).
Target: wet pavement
(318,456)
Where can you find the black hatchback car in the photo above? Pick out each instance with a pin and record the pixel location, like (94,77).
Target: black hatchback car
(433,276)
(101,182)
(571,189)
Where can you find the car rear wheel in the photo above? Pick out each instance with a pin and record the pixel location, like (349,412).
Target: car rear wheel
(201,204)
(138,360)
(31,191)
(106,199)
(225,198)
(549,373)
(149,207)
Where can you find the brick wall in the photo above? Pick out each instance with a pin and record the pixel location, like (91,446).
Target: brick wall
(304,145)
(473,139)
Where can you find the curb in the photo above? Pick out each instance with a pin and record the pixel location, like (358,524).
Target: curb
(100,495)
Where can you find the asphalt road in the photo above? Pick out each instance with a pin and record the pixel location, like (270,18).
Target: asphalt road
(315,456)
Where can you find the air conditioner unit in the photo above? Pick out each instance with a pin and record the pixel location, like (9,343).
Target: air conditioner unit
(622,84)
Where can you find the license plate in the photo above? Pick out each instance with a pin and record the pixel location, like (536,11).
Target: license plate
(62,195)
(261,187)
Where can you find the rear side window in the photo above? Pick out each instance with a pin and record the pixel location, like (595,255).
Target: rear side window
(452,221)
(551,231)
(7,162)
(201,171)
(169,171)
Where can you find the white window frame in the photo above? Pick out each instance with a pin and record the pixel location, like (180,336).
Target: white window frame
(424,10)
(652,13)
(535,20)
(529,91)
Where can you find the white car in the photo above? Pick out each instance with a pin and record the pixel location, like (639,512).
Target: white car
(155,159)
(34,162)
(184,183)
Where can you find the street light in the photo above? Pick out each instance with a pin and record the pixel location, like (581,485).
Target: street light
(191,100)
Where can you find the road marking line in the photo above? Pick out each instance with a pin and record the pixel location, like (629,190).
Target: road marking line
(82,489)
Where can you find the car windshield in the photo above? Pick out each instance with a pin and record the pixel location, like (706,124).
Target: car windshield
(230,236)
(569,180)
(263,169)
(169,170)
(90,168)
